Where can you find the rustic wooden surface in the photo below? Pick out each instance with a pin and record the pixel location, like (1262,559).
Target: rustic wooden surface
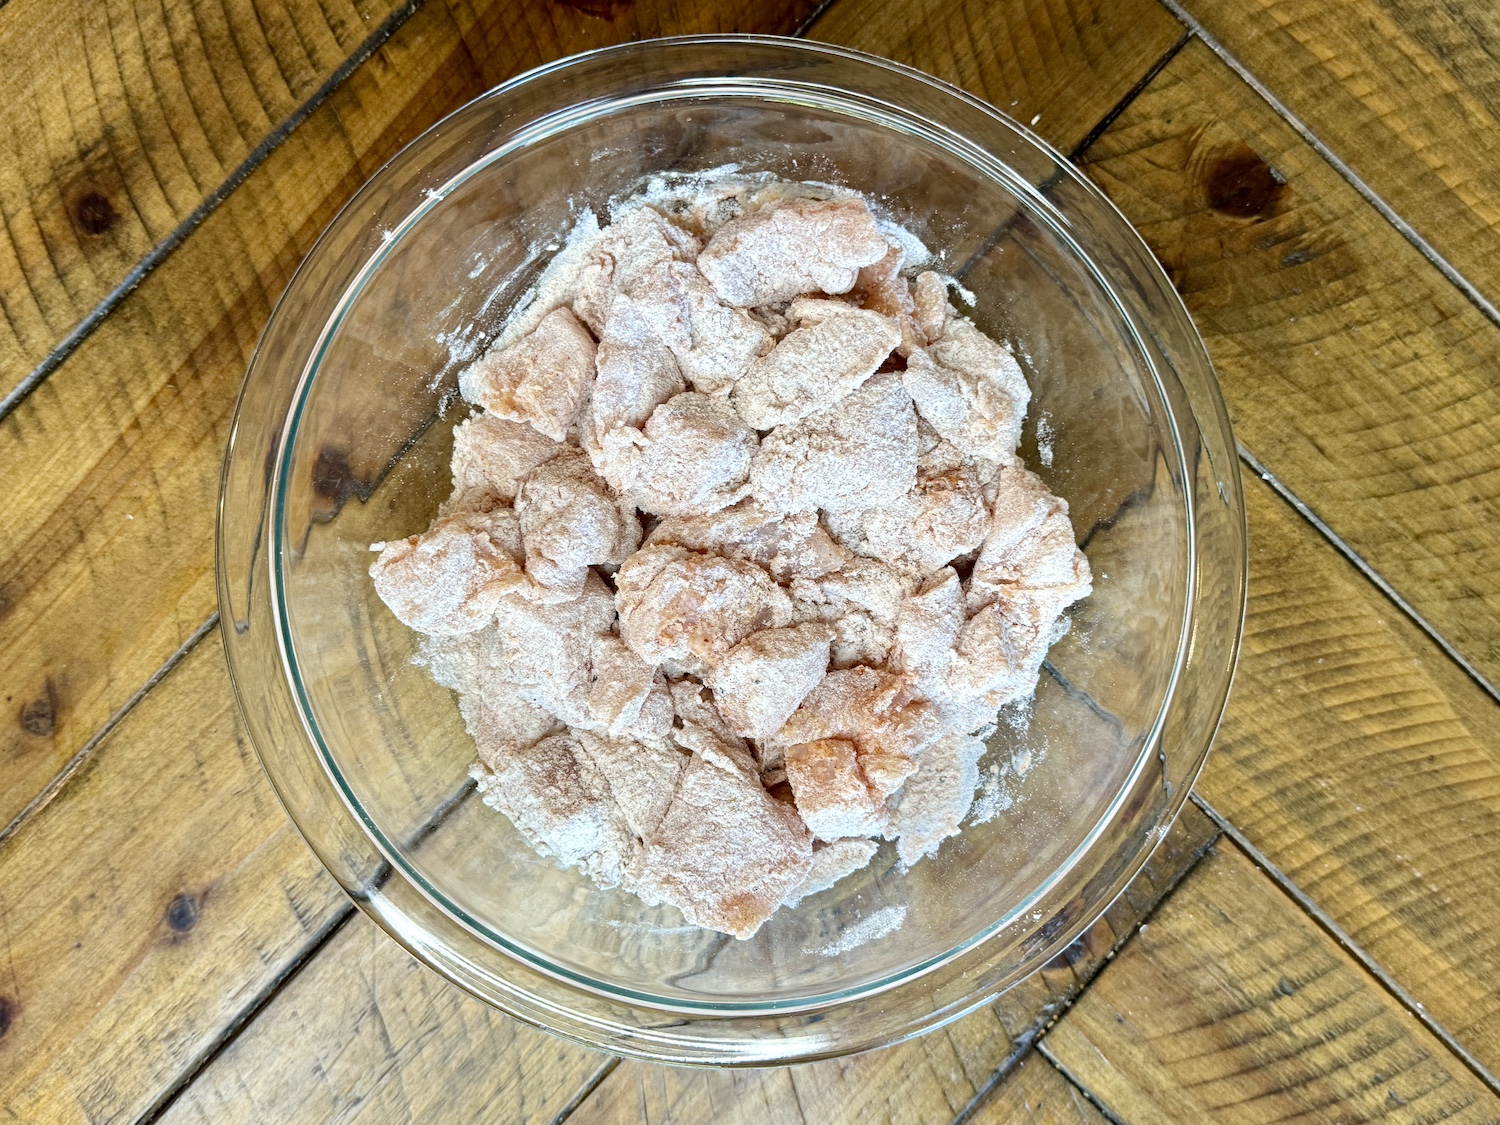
(174,952)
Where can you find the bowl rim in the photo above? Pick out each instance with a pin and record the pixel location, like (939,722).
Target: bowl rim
(561,119)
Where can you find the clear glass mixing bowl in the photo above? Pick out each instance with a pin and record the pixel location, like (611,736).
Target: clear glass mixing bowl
(342,435)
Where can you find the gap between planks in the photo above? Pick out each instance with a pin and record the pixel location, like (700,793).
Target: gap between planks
(1360,564)
(1033,1036)
(1325,922)
(86,751)
(246,1015)
(1077,1084)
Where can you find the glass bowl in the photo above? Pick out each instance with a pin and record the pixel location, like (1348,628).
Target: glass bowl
(342,434)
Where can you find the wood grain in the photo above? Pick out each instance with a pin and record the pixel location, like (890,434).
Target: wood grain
(1007,53)
(1406,93)
(1232,1006)
(1352,368)
(143,910)
(118,119)
(112,464)
(928,1080)
(366,1034)
(163,893)
(116,457)
(1363,763)
(1035,1091)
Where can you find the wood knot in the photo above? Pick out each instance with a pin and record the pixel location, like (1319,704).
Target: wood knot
(182,913)
(1243,185)
(332,479)
(39,717)
(95,213)
(8,1009)
(598,9)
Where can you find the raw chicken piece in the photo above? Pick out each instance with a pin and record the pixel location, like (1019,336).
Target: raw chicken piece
(881,288)
(860,453)
(621,683)
(700,723)
(569,522)
(788,248)
(999,652)
(943,517)
(786,546)
(636,373)
(831,862)
(498,716)
(938,395)
(724,341)
(930,309)
(861,583)
(765,677)
(937,797)
(970,390)
(860,602)
(834,351)
(542,379)
(503,723)
(693,457)
(560,801)
(642,778)
(548,648)
(490,456)
(450,579)
(690,863)
(876,712)
(1028,545)
(860,639)
(680,605)
(630,266)
(833,796)
(927,630)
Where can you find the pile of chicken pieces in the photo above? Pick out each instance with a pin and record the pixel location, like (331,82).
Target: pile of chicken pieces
(739,555)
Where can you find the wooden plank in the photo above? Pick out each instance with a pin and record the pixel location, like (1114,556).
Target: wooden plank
(163,894)
(1007,52)
(1406,93)
(1352,368)
(1232,1006)
(112,465)
(146,907)
(1365,765)
(119,119)
(928,1080)
(366,1034)
(1035,1091)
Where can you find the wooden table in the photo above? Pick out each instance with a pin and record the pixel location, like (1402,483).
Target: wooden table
(1322,182)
